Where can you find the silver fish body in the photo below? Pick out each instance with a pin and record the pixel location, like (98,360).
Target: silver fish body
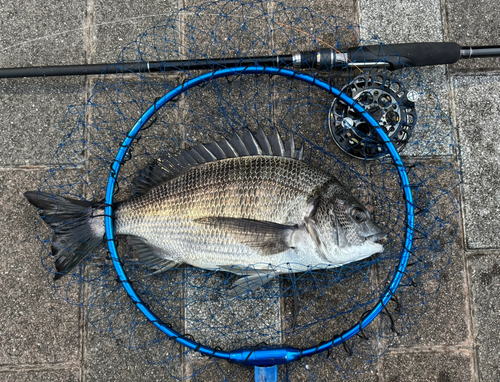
(174,217)
(248,202)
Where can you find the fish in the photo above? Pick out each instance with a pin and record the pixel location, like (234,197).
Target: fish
(244,205)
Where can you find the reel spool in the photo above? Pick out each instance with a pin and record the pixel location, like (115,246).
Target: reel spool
(387,100)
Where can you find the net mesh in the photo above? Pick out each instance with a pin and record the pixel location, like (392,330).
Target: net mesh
(298,309)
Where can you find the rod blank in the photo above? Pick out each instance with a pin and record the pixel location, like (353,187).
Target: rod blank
(133,67)
(480,51)
(392,57)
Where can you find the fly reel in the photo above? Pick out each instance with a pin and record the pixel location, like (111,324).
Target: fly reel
(387,100)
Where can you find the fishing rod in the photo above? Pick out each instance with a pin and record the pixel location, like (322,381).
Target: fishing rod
(390,57)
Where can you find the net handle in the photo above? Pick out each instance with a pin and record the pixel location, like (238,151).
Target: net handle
(256,357)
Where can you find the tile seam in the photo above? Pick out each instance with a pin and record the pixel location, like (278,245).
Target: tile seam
(463,348)
(89,50)
(39,367)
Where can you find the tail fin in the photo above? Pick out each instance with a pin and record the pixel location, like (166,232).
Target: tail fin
(77,232)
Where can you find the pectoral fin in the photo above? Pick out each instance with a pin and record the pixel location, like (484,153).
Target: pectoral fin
(271,238)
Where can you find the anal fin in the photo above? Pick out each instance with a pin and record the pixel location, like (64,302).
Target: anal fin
(150,256)
(247,284)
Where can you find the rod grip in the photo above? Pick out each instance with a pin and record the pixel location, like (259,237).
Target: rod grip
(414,54)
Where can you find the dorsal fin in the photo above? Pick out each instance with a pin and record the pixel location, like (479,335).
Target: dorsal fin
(167,167)
(251,143)
(238,145)
(263,142)
(277,144)
(215,149)
(203,150)
(228,149)
(299,154)
(290,148)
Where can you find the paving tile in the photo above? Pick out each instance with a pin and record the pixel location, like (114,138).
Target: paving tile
(201,368)
(345,9)
(395,22)
(141,350)
(476,109)
(115,106)
(117,26)
(308,369)
(35,325)
(442,320)
(357,359)
(116,331)
(60,375)
(31,111)
(327,369)
(212,320)
(307,26)
(268,27)
(431,297)
(473,24)
(399,22)
(427,367)
(484,274)
(225,104)
(106,360)
(226,30)
(216,322)
(42,33)
(433,134)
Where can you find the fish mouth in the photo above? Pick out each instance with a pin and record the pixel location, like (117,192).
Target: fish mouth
(376,237)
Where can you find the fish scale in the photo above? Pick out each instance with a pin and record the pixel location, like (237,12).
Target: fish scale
(274,189)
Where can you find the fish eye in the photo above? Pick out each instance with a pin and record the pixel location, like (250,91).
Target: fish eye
(358,214)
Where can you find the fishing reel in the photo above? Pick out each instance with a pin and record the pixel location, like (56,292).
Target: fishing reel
(387,100)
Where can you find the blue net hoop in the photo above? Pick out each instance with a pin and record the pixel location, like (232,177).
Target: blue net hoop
(253,357)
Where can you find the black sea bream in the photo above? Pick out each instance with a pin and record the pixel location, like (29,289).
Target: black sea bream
(248,202)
